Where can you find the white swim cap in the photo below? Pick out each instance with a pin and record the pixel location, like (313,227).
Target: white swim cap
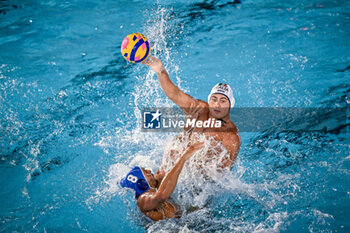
(223,89)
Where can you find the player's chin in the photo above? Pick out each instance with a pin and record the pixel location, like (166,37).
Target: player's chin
(217,114)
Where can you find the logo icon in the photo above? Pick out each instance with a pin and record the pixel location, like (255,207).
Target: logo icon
(151,120)
(223,87)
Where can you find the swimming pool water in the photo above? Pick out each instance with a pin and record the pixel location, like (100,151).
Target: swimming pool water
(70,113)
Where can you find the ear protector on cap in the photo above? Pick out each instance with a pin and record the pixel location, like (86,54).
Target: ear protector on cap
(142,184)
(135,180)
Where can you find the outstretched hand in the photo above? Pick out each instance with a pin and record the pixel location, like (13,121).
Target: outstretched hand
(195,109)
(192,149)
(154,63)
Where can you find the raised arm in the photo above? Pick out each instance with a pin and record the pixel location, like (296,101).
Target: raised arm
(149,201)
(180,98)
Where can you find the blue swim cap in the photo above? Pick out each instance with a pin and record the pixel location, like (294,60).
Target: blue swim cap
(136,181)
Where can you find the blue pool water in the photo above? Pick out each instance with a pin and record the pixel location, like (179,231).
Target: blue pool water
(70,113)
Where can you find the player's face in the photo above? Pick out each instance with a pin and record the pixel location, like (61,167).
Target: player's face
(219,106)
(149,176)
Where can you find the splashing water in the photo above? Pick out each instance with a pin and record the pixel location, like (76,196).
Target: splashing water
(70,110)
(200,198)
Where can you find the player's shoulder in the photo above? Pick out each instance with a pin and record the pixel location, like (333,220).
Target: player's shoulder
(146,199)
(230,132)
(230,128)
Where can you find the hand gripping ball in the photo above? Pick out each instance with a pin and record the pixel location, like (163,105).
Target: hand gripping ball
(135,48)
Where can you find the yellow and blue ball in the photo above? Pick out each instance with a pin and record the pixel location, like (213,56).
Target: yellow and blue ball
(135,48)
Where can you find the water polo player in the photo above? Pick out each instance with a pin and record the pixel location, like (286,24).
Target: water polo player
(153,198)
(220,101)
